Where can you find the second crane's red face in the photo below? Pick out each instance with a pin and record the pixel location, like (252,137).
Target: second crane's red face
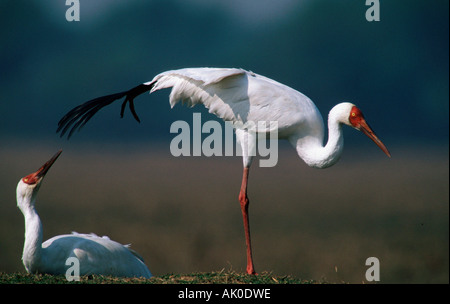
(31,179)
(358,121)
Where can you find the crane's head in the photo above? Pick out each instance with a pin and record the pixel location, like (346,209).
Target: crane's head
(356,120)
(28,186)
(349,114)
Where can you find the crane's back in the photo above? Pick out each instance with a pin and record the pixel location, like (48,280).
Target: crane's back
(240,96)
(97,255)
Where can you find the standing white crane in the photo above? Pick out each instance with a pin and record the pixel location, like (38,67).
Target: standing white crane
(96,255)
(240,96)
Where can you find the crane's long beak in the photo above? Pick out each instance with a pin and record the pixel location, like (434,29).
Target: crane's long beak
(44,169)
(36,177)
(366,129)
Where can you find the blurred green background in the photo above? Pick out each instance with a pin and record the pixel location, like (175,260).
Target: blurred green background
(117,177)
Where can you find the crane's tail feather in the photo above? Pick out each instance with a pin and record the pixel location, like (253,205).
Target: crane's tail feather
(76,118)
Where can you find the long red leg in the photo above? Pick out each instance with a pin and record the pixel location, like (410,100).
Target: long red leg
(243,200)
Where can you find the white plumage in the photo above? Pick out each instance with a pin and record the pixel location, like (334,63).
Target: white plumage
(240,97)
(96,255)
(236,95)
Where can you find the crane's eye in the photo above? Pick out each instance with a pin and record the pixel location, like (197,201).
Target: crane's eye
(29,179)
(355,117)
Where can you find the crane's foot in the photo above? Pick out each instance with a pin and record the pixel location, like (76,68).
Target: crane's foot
(251,270)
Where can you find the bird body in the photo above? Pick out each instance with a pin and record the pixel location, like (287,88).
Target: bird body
(96,255)
(241,97)
(244,98)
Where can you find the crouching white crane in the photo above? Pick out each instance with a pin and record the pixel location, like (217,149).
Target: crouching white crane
(240,97)
(96,255)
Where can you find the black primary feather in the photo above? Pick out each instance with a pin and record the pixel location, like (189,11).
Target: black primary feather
(76,118)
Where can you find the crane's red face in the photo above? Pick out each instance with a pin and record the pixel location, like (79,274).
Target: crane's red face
(36,177)
(358,121)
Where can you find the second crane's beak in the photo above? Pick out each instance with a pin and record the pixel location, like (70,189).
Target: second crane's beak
(44,169)
(36,177)
(366,129)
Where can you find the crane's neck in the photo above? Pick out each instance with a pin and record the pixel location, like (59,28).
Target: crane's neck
(32,249)
(311,149)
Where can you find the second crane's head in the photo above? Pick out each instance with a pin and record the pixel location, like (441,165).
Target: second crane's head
(28,186)
(352,116)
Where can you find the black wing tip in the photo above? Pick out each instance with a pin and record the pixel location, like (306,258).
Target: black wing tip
(132,109)
(76,118)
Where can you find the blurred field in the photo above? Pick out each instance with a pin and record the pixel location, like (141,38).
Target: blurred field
(182,214)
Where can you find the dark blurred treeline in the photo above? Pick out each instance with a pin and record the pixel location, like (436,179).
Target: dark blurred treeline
(396,70)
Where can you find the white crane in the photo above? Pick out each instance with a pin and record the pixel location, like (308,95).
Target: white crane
(240,96)
(96,255)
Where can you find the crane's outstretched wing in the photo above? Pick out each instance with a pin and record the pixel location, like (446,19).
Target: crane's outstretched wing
(225,92)
(189,85)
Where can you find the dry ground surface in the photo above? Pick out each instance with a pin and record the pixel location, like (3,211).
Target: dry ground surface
(182,214)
